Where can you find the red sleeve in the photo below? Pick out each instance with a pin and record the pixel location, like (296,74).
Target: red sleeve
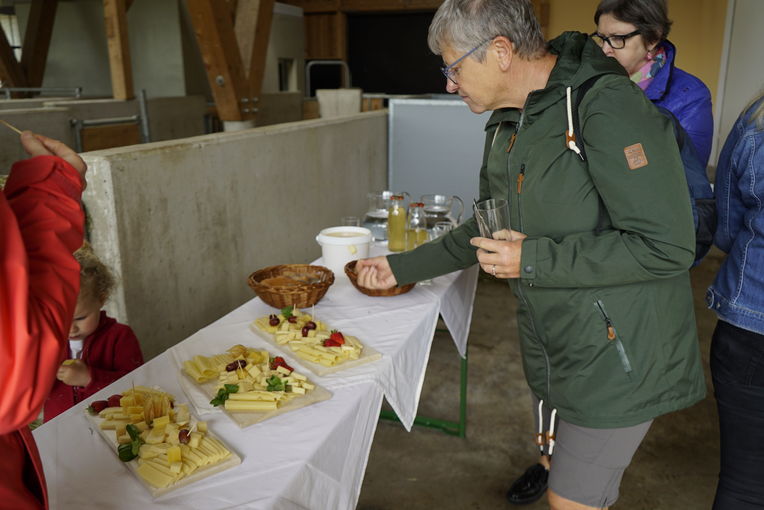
(126,357)
(41,223)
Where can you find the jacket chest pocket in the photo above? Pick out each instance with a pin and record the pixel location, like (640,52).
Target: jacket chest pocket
(611,334)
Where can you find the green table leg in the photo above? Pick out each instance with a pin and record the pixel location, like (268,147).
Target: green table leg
(449,427)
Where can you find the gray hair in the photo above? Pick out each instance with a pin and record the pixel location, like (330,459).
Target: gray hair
(465,24)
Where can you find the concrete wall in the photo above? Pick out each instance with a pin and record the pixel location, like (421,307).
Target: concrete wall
(183,223)
(53,122)
(169,118)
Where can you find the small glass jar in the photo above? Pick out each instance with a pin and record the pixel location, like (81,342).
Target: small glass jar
(396,224)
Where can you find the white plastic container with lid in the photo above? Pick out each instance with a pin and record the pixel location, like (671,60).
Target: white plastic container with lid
(340,245)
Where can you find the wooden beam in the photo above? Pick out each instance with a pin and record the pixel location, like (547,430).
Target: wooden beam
(260,46)
(115,18)
(10,70)
(222,59)
(316,6)
(34,53)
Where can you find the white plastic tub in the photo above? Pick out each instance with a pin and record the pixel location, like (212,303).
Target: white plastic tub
(340,245)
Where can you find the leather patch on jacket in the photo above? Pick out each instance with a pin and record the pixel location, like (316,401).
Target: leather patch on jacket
(635,156)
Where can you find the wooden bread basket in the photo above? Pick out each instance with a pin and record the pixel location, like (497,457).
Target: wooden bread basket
(395,291)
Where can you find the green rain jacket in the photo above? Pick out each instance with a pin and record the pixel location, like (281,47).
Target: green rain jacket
(605,310)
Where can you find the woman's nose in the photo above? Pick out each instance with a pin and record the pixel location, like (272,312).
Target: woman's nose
(451,87)
(609,51)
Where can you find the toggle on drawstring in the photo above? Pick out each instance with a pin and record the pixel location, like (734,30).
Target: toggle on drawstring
(570,136)
(548,438)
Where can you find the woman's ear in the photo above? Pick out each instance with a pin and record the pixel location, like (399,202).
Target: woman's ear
(504,51)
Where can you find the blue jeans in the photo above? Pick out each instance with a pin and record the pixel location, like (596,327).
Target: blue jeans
(737,367)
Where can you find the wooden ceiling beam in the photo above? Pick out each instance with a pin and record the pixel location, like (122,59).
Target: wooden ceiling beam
(34,52)
(259,51)
(222,59)
(10,69)
(115,17)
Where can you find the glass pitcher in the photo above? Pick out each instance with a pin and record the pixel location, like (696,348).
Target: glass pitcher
(376,217)
(439,208)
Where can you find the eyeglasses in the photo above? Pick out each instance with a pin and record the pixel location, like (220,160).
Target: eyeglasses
(617,42)
(451,71)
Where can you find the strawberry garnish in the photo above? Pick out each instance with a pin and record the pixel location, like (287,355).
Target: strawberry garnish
(337,337)
(278,361)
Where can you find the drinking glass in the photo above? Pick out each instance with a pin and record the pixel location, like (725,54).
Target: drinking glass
(441,228)
(492,216)
(350,221)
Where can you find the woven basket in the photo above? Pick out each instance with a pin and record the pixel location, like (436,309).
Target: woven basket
(310,284)
(395,291)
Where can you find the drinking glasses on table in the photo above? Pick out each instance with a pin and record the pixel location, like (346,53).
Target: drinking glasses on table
(350,221)
(441,228)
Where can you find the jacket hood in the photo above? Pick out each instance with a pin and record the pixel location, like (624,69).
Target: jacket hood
(578,59)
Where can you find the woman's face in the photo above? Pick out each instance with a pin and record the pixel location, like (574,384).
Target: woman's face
(634,54)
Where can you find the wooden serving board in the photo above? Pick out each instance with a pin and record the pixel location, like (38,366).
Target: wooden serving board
(247,418)
(132,466)
(368,354)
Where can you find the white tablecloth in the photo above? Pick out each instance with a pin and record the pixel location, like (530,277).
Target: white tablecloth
(311,458)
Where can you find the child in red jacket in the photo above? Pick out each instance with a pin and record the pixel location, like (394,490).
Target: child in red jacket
(101,350)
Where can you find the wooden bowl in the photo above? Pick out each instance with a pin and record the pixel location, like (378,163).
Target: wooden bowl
(395,291)
(300,285)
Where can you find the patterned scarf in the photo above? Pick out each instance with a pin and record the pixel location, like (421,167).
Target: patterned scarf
(645,75)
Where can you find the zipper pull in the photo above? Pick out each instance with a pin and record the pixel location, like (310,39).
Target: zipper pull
(610,330)
(520,179)
(511,141)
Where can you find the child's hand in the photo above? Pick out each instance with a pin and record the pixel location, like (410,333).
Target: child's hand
(74,373)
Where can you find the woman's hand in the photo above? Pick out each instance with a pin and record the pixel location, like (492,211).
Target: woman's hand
(501,255)
(39,145)
(74,372)
(375,273)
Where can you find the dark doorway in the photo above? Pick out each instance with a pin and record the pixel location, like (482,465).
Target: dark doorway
(388,53)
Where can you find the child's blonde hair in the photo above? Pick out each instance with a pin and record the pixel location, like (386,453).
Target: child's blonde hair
(96,281)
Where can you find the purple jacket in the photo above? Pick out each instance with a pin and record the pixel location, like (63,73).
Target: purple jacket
(688,99)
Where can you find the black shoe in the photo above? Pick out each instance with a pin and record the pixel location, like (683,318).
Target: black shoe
(529,487)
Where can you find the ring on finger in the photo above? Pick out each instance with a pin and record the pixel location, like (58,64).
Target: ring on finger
(493,270)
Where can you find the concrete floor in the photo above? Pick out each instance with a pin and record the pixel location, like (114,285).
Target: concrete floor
(675,467)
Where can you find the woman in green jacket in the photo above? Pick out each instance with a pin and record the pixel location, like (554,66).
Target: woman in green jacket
(600,242)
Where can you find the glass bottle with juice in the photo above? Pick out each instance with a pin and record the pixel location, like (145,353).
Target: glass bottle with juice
(396,224)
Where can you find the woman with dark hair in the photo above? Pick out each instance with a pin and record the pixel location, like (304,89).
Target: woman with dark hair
(737,297)
(634,33)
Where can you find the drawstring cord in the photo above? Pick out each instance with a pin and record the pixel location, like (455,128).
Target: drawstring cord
(549,438)
(570,136)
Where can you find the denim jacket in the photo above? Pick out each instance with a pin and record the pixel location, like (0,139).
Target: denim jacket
(737,294)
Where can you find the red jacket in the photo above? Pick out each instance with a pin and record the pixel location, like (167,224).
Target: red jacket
(110,352)
(41,225)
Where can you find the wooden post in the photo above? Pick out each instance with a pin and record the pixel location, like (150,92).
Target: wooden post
(10,70)
(253,29)
(34,53)
(222,59)
(115,17)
